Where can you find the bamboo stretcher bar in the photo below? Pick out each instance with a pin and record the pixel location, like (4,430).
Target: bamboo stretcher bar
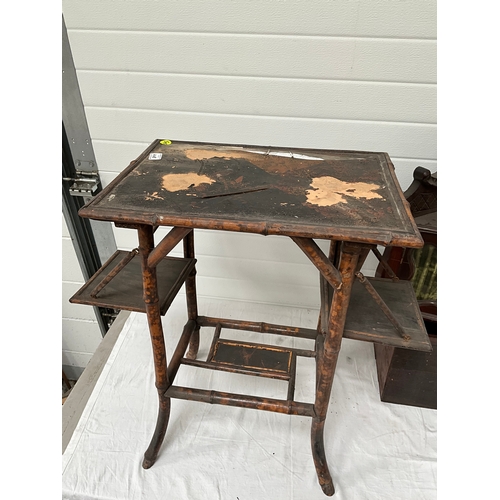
(241,400)
(383,306)
(291,383)
(218,329)
(320,260)
(182,345)
(114,272)
(247,370)
(261,327)
(167,244)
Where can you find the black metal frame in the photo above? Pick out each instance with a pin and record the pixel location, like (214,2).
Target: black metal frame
(81,231)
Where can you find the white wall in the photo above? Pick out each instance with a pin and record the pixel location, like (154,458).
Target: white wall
(339,74)
(80,331)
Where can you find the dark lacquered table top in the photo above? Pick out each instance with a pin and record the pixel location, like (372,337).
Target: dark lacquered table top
(326,194)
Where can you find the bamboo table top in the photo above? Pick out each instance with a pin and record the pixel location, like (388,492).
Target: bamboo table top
(343,195)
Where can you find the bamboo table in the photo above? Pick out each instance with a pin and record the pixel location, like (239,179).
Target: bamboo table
(350,198)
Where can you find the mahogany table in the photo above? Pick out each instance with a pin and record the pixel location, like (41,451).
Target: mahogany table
(350,198)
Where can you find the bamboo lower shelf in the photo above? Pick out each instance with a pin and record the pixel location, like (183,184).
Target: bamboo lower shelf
(246,358)
(265,360)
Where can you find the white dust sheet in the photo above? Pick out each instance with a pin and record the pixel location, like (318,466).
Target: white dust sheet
(375,450)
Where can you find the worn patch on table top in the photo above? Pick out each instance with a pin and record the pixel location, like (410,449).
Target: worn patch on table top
(274,162)
(206,154)
(180,182)
(329,191)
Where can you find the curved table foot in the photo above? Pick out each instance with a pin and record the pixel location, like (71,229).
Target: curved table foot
(161,428)
(319,457)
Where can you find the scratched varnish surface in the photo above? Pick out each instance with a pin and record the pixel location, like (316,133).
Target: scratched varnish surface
(283,188)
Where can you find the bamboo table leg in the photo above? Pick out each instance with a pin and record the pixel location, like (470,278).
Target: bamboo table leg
(192,305)
(146,245)
(327,349)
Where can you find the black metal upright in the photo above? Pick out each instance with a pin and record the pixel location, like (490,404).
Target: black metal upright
(93,241)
